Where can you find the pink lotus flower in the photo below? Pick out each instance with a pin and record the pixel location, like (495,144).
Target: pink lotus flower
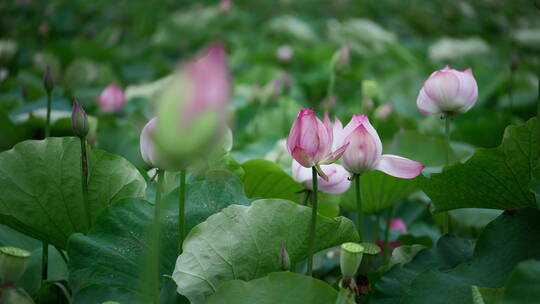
(398,224)
(364,152)
(112,99)
(310,140)
(149,152)
(448,91)
(338,178)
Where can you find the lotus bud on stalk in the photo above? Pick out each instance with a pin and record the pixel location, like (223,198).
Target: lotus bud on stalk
(341,59)
(225,5)
(79,120)
(284,260)
(310,141)
(112,99)
(13,262)
(448,91)
(338,178)
(193,110)
(149,152)
(383,111)
(48,82)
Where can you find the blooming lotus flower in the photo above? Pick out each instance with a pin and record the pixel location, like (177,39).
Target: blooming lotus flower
(364,152)
(448,91)
(398,224)
(310,140)
(112,99)
(193,109)
(149,152)
(338,178)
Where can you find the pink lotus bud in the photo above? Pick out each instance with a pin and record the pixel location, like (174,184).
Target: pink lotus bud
(149,152)
(48,82)
(225,5)
(448,91)
(79,120)
(112,99)
(383,111)
(310,140)
(193,109)
(364,152)
(341,59)
(338,178)
(285,53)
(284,260)
(398,224)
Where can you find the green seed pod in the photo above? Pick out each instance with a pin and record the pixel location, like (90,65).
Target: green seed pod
(350,258)
(371,252)
(12,263)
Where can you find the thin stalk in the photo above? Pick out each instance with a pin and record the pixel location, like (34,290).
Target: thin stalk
(387,232)
(156,237)
(538,98)
(48,122)
(62,254)
(313,225)
(360,216)
(44,262)
(84,181)
(305,198)
(377,227)
(446,216)
(181,210)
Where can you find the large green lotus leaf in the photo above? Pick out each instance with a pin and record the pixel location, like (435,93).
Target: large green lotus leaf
(534,185)
(379,191)
(449,252)
(243,243)
(496,178)
(41,187)
(111,256)
(265,179)
(522,286)
(277,287)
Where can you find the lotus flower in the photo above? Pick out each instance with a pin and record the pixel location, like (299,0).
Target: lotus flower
(112,99)
(364,151)
(448,91)
(149,152)
(193,109)
(398,224)
(310,140)
(338,178)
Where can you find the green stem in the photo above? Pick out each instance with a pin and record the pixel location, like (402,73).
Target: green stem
(387,232)
(48,122)
(181,210)
(446,216)
(84,181)
(313,226)
(44,261)
(62,254)
(360,216)
(538,99)
(156,237)
(377,227)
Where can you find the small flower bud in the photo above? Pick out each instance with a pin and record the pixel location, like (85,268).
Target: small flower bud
(341,58)
(79,120)
(48,82)
(382,112)
(350,258)
(284,260)
(285,53)
(12,263)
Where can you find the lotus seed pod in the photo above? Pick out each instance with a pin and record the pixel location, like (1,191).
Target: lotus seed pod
(350,258)
(13,263)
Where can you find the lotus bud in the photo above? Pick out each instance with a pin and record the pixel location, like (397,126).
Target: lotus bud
(370,89)
(13,263)
(225,5)
(364,152)
(285,53)
(398,224)
(383,111)
(341,58)
(350,259)
(149,152)
(48,82)
(448,91)
(79,120)
(112,99)
(284,260)
(338,178)
(193,110)
(310,140)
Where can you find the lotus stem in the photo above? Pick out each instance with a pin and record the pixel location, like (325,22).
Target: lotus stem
(181,210)
(313,225)
(360,216)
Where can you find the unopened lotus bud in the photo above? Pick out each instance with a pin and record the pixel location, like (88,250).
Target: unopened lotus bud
(370,89)
(13,263)
(112,99)
(341,58)
(225,5)
(285,53)
(383,111)
(350,258)
(48,82)
(284,260)
(79,120)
